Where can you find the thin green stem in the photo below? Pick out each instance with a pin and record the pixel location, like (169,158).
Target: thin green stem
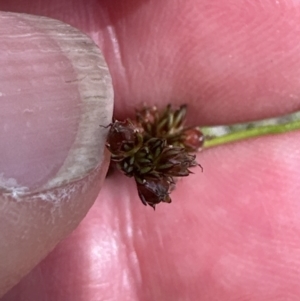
(218,135)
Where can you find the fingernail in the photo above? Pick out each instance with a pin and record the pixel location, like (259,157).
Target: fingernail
(55,94)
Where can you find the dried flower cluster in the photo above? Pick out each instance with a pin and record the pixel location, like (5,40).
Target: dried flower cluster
(155,149)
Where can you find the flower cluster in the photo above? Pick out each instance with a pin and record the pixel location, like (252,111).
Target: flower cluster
(155,149)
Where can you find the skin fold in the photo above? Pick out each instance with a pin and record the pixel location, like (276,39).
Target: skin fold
(232,231)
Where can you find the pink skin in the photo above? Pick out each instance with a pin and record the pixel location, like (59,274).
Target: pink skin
(233,231)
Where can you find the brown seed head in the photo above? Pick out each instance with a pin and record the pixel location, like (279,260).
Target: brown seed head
(123,139)
(192,139)
(152,191)
(155,150)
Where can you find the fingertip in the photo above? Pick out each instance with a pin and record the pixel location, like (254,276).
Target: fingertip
(55,92)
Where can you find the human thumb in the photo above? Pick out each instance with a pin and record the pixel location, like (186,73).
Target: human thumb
(55,93)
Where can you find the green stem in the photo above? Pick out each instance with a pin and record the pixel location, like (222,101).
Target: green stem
(218,135)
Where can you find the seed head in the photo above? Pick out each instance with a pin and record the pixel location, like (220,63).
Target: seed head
(123,139)
(155,149)
(152,191)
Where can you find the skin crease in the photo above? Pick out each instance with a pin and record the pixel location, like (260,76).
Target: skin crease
(233,231)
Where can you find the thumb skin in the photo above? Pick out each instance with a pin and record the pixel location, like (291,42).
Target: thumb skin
(55,92)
